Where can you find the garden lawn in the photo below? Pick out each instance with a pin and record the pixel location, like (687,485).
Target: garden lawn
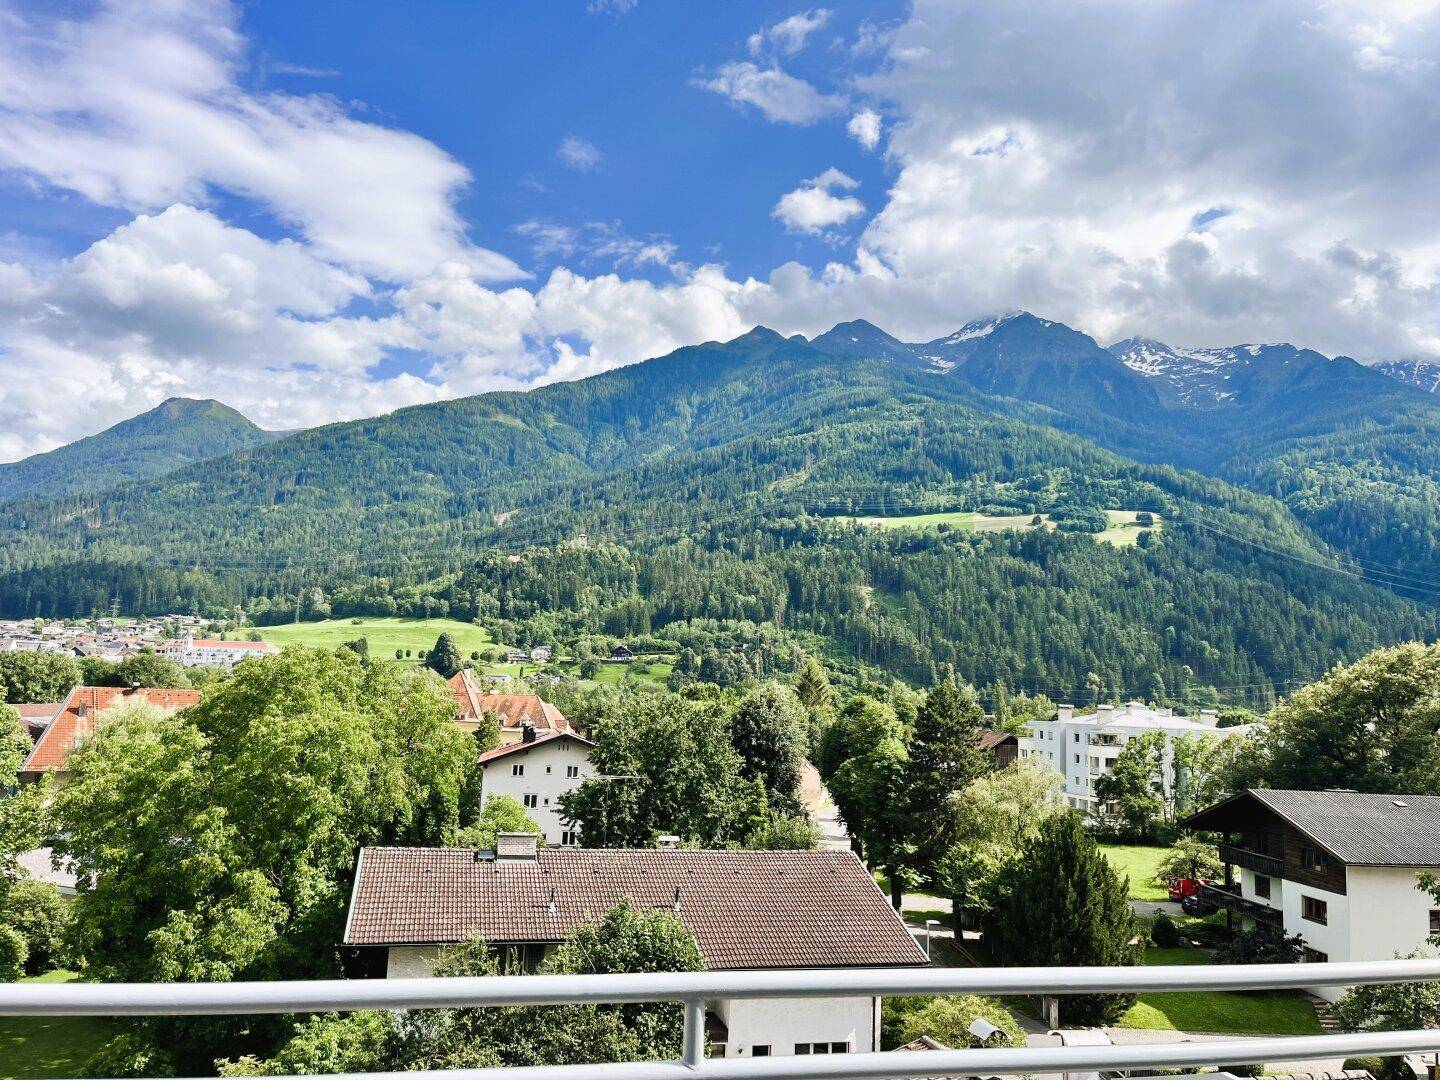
(384,634)
(1221,1012)
(1139,864)
(36,1046)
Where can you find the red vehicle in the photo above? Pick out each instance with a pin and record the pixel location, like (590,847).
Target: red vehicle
(1181,889)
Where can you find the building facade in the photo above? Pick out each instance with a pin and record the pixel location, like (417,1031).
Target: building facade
(213,652)
(748,910)
(1084,748)
(1338,868)
(535,772)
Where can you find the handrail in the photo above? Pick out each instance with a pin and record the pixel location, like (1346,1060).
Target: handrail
(696,989)
(341,995)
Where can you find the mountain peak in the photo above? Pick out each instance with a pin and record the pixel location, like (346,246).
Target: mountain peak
(859,336)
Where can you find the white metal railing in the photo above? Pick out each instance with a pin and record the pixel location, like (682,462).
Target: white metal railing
(697,989)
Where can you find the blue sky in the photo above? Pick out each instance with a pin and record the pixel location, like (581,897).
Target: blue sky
(318,211)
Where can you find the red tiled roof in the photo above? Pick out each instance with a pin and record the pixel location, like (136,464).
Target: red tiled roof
(520,747)
(77,716)
(747,909)
(37,710)
(512,709)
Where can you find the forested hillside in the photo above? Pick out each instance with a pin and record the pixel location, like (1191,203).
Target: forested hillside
(171,435)
(714,488)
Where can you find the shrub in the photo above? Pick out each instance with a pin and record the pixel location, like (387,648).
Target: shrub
(947,1020)
(1261,945)
(1164,933)
(13,954)
(40,915)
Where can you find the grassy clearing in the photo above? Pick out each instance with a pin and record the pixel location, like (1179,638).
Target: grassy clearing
(39,1046)
(385,635)
(1124,530)
(1281,1012)
(1139,864)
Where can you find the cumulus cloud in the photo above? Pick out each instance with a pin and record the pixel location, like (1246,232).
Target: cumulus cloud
(814,207)
(138,107)
(864,128)
(788,36)
(579,154)
(779,96)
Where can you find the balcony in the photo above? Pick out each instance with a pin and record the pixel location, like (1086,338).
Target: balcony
(695,989)
(1252,860)
(1233,901)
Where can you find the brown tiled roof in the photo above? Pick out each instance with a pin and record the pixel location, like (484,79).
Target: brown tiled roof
(512,709)
(990,738)
(747,909)
(521,747)
(37,710)
(77,716)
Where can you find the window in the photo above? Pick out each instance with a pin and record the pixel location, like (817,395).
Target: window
(570,837)
(1313,956)
(1314,910)
(1077,759)
(822,1048)
(1313,860)
(1435,920)
(760,1051)
(531,800)
(517,770)
(572,771)
(1262,886)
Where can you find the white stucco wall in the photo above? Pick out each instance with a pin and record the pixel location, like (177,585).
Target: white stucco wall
(1388,911)
(780,1023)
(1278,887)
(411,961)
(545,777)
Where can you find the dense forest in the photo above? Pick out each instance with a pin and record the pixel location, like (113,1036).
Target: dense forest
(710,496)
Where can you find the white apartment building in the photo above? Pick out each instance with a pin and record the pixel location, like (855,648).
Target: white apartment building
(535,772)
(1083,748)
(1338,868)
(748,911)
(212,652)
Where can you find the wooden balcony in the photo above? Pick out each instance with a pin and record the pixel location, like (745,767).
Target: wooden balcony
(1252,860)
(1233,901)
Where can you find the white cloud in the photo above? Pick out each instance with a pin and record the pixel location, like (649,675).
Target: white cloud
(138,107)
(864,127)
(579,154)
(781,97)
(788,36)
(814,208)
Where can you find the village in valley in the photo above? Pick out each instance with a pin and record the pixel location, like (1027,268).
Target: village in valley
(744,819)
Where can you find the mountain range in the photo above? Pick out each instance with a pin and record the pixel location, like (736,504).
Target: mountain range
(1301,495)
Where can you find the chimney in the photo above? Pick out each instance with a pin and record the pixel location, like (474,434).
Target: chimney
(668,842)
(527,732)
(1105,713)
(1209,717)
(1064,713)
(516,846)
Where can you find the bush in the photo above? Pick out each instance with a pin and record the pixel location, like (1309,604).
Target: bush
(40,915)
(1164,933)
(13,954)
(947,1020)
(1261,945)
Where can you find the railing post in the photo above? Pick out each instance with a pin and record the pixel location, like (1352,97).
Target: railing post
(693,1052)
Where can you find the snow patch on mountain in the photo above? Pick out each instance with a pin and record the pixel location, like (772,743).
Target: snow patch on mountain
(1422,373)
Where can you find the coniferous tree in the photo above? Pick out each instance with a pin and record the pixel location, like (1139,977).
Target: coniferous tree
(445,658)
(945,756)
(1061,904)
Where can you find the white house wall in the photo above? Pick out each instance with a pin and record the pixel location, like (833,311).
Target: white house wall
(780,1023)
(546,767)
(1389,913)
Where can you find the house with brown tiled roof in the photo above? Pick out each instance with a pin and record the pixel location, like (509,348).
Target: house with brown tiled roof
(77,716)
(36,716)
(535,772)
(514,711)
(748,910)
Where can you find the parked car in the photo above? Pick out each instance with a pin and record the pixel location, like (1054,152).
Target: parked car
(1183,888)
